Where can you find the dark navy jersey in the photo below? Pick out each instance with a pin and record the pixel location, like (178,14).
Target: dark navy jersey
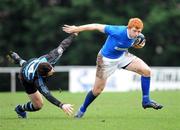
(30,75)
(29,69)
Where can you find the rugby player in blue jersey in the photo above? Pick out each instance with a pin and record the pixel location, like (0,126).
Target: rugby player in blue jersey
(114,55)
(33,77)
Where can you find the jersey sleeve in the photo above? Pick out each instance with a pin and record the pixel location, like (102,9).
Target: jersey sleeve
(113,30)
(43,89)
(54,55)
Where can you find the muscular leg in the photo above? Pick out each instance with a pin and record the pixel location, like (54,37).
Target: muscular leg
(140,67)
(37,100)
(97,89)
(35,104)
(103,71)
(91,96)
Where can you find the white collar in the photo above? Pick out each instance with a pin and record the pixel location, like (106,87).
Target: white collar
(128,35)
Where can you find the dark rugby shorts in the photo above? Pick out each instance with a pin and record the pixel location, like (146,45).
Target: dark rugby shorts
(30,88)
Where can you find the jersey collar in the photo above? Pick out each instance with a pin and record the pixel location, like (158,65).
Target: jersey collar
(128,34)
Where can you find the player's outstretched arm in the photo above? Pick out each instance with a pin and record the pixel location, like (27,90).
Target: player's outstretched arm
(54,55)
(67,42)
(86,27)
(43,89)
(68,109)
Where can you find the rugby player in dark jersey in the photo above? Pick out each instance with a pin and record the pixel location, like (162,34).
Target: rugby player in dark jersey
(33,77)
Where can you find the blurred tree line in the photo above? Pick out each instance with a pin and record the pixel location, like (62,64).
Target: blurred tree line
(33,27)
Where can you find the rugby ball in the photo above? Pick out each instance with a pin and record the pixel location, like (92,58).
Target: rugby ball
(139,39)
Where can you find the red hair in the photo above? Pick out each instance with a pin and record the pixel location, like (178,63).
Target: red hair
(135,22)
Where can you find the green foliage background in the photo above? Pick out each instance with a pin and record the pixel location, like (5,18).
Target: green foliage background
(33,28)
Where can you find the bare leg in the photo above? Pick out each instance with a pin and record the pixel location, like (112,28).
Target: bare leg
(140,67)
(35,104)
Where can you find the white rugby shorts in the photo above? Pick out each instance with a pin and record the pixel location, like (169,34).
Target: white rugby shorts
(106,66)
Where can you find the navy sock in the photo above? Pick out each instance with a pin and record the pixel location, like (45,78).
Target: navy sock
(145,84)
(88,100)
(29,107)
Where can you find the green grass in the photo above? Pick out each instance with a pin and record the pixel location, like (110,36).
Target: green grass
(110,111)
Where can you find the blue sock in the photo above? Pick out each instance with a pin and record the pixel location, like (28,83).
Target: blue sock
(88,100)
(145,84)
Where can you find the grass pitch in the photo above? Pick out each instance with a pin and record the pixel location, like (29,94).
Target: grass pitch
(110,111)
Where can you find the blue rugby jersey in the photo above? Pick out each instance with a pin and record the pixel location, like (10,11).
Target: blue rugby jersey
(117,41)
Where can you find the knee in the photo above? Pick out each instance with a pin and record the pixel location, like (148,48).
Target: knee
(38,105)
(147,72)
(97,90)
(98,86)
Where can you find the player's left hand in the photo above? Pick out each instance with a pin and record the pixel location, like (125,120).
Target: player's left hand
(140,45)
(68,109)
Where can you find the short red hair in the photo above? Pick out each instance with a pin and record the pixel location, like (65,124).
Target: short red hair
(135,22)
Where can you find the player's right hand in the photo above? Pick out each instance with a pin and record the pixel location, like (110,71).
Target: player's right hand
(70,29)
(141,45)
(68,109)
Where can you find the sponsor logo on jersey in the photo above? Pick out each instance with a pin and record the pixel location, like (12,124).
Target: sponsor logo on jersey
(120,49)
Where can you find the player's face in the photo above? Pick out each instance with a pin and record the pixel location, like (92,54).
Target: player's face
(51,72)
(134,32)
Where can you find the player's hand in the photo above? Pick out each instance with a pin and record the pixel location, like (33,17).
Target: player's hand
(76,34)
(68,109)
(70,29)
(141,45)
